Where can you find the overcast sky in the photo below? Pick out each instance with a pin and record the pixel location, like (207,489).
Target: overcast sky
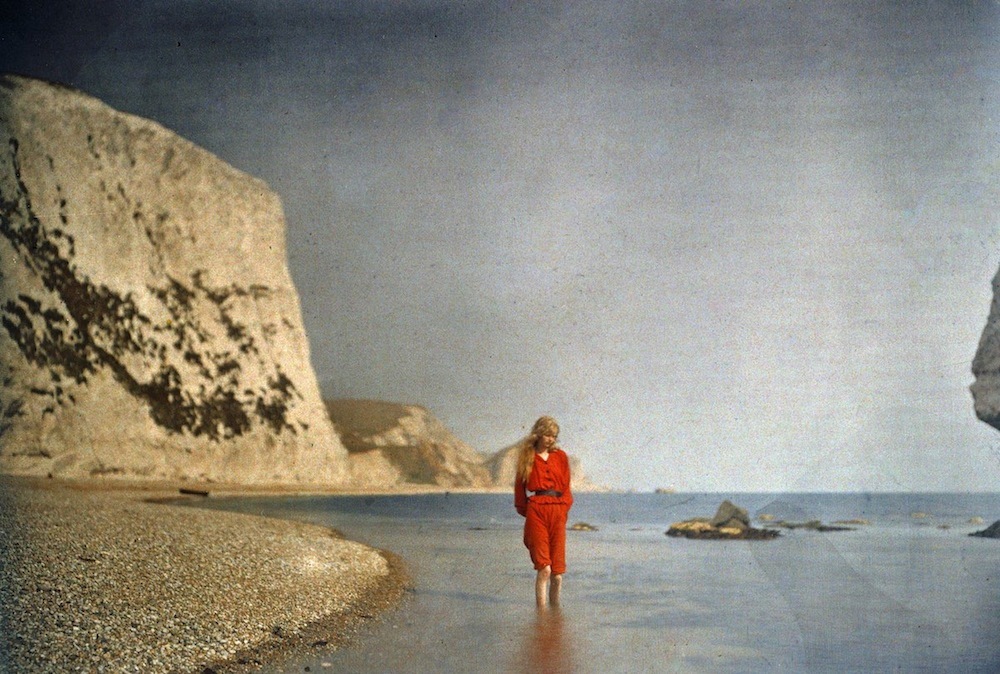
(730,246)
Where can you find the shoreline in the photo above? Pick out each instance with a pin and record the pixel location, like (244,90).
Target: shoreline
(162,489)
(330,632)
(99,575)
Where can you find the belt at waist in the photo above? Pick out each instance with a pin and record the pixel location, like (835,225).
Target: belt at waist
(547,492)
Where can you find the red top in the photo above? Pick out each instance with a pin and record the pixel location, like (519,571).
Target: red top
(552,473)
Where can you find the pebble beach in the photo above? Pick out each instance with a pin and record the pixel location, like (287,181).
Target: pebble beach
(99,580)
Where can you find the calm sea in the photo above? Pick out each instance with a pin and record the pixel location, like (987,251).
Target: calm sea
(908,592)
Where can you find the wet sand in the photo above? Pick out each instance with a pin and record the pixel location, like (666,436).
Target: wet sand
(97,577)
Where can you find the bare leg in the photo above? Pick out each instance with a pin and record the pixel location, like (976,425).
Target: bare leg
(542,586)
(555,589)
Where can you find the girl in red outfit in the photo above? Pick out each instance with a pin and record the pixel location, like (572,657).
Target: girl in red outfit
(542,496)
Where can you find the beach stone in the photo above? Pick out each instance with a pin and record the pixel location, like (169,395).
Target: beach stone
(149,326)
(170,588)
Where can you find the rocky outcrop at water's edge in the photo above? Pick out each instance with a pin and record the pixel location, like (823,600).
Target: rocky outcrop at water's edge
(730,522)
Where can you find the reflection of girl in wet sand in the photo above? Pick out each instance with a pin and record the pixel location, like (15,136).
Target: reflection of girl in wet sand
(542,496)
(547,645)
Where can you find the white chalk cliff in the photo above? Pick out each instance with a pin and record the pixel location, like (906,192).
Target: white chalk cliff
(391,444)
(986,365)
(149,326)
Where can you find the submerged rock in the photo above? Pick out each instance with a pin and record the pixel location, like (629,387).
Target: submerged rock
(811,525)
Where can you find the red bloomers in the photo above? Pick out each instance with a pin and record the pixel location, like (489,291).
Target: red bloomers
(545,535)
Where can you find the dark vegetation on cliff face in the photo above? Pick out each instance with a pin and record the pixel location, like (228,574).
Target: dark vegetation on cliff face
(101,329)
(12,408)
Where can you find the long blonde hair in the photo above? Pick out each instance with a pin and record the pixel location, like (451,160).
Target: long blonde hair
(526,457)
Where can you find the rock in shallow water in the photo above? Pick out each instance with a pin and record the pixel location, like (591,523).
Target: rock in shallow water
(730,515)
(730,522)
(703,530)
